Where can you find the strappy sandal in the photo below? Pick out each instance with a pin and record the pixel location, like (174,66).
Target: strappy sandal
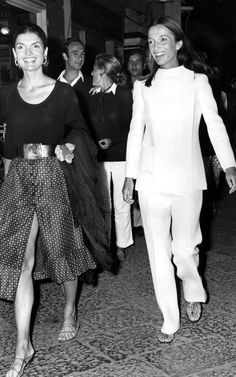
(25,362)
(194,311)
(68,331)
(166,338)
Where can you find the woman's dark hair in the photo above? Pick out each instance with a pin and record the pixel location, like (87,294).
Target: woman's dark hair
(111,66)
(186,55)
(30,28)
(68,41)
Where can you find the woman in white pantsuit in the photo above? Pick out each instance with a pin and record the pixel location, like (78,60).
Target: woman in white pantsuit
(164,156)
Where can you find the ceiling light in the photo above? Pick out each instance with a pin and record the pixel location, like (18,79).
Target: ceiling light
(4,30)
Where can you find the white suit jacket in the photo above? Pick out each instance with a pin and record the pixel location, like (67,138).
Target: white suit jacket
(163,150)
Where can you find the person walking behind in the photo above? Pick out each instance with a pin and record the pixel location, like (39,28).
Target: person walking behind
(88,176)
(73,53)
(110,111)
(136,64)
(163,153)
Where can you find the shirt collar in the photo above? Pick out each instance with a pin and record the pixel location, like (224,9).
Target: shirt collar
(62,78)
(111,89)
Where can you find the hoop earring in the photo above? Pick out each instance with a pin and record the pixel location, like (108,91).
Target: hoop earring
(45,61)
(16,62)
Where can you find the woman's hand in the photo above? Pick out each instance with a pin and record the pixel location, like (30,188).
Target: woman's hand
(64,152)
(104,143)
(230,175)
(127,190)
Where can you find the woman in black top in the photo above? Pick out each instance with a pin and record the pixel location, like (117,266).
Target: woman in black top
(110,109)
(43,123)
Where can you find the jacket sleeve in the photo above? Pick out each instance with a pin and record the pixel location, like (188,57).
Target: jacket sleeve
(136,131)
(215,126)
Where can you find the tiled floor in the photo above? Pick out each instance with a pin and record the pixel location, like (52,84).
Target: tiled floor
(120,321)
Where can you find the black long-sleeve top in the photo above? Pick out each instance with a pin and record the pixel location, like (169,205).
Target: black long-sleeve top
(110,116)
(56,120)
(82,89)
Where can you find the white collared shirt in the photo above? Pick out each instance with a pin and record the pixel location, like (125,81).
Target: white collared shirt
(62,78)
(99,90)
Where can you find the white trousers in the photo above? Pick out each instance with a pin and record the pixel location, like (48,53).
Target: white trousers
(171,227)
(116,172)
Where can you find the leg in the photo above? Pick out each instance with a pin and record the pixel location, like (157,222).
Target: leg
(217,173)
(156,216)
(108,169)
(70,325)
(122,209)
(137,219)
(186,236)
(23,307)
(216,170)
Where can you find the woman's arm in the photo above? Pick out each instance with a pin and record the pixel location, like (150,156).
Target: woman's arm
(136,131)
(128,190)
(215,126)
(217,131)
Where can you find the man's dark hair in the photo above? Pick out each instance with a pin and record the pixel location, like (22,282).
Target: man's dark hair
(136,51)
(68,41)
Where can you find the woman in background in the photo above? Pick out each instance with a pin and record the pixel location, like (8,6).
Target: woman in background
(135,66)
(110,109)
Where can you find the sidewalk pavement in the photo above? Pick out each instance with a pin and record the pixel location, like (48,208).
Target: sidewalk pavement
(120,321)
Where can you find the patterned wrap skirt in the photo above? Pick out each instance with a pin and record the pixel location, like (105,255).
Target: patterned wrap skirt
(38,186)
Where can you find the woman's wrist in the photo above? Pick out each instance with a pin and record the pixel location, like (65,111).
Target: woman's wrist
(230,170)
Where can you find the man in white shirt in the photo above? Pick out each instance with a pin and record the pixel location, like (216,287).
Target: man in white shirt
(73,52)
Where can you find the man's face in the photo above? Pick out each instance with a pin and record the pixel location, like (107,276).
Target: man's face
(76,55)
(135,66)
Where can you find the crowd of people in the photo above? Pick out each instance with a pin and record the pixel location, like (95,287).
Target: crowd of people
(74,151)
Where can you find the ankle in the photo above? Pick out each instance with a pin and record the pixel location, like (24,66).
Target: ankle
(23,348)
(69,314)
(120,252)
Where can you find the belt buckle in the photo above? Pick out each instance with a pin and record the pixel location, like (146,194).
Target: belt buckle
(33,151)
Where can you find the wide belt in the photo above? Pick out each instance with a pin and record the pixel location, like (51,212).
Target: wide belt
(35,151)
